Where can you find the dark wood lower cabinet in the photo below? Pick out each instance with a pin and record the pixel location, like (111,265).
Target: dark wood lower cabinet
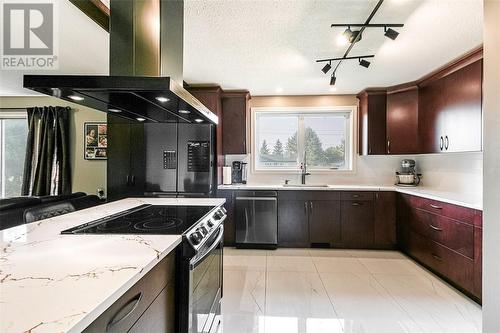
(148,306)
(293,224)
(357,224)
(324,222)
(229,226)
(449,247)
(385,220)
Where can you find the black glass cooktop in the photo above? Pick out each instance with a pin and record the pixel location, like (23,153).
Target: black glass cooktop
(145,219)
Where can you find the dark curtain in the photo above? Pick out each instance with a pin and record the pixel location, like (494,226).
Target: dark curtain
(47,165)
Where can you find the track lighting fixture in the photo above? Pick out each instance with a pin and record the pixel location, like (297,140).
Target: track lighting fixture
(364,63)
(390,33)
(327,67)
(333,79)
(352,36)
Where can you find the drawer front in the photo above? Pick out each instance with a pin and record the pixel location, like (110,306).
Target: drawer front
(457,268)
(356,195)
(441,208)
(308,195)
(450,233)
(449,264)
(122,314)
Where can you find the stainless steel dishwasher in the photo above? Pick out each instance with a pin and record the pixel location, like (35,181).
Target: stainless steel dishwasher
(256,219)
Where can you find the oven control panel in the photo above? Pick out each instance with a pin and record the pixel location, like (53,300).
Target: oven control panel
(205,228)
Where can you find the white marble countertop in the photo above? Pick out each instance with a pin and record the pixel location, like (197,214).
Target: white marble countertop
(473,201)
(61,283)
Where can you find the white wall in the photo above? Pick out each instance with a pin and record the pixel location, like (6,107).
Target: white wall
(491,223)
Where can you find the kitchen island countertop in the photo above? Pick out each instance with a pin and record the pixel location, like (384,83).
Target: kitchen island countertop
(61,283)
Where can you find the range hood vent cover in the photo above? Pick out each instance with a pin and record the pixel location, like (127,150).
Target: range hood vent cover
(150,99)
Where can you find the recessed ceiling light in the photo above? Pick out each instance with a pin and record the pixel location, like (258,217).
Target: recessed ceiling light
(198,120)
(114,110)
(184,111)
(140,119)
(76,98)
(162,99)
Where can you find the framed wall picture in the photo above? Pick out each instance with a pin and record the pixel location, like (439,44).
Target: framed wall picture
(95,141)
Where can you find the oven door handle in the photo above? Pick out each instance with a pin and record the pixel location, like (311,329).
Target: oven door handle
(207,252)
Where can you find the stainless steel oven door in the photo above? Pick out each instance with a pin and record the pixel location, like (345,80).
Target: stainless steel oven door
(205,284)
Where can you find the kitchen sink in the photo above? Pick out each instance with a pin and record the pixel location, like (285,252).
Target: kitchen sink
(305,185)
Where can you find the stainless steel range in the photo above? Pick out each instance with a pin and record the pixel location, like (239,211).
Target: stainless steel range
(199,266)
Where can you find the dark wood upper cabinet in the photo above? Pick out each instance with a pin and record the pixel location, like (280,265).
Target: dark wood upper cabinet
(441,112)
(450,116)
(372,122)
(402,121)
(234,120)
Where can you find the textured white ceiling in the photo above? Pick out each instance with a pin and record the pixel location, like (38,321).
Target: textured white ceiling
(270,47)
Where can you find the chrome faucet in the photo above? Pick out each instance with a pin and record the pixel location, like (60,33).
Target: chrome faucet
(303,168)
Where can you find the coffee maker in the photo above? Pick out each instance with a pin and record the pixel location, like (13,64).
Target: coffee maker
(408,175)
(237,172)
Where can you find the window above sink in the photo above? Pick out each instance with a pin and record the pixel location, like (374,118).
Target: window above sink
(282,136)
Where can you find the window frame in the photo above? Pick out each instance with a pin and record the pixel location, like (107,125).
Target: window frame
(7,113)
(351,138)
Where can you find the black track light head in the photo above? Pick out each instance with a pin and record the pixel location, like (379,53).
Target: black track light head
(327,67)
(364,63)
(333,79)
(390,33)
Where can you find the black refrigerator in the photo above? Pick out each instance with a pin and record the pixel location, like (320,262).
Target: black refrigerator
(160,159)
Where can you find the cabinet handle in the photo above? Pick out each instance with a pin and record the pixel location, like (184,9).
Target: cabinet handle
(356,204)
(435,206)
(311,204)
(441,143)
(128,180)
(435,228)
(388,146)
(124,311)
(305,207)
(435,256)
(446,142)
(355,195)
(132,180)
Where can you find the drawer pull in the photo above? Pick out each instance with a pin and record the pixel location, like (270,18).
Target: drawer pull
(435,228)
(355,195)
(356,204)
(124,311)
(435,206)
(438,258)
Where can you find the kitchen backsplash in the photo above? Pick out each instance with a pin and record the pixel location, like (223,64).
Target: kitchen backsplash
(454,172)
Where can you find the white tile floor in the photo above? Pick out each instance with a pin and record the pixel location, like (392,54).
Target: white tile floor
(339,291)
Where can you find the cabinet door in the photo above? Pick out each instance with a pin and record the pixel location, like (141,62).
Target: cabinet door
(372,123)
(160,316)
(385,219)
(324,221)
(293,225)
(118,163)
(402,122)
(357,224)
(234,123)
(229,228)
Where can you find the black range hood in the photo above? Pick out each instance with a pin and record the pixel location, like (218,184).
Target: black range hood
(148,99)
